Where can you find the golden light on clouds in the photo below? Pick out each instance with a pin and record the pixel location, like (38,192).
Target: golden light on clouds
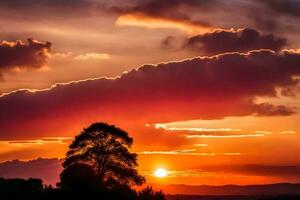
(140,20)
(191,152)
(87,56)
(188,152)
(287,132)
(200,145)
(169,128)
(226,136)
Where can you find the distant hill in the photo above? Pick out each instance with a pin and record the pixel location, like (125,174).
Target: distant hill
(271,189)
(49,169)
(46,169)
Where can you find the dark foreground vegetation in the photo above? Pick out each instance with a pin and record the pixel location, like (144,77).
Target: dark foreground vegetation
(34,189)
(98,165)
(240,197)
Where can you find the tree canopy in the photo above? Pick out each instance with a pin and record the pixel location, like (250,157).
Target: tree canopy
(105,148)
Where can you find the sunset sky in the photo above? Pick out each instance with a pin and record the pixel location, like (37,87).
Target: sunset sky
(208,89)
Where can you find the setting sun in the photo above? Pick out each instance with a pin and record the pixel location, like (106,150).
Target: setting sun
(160,173)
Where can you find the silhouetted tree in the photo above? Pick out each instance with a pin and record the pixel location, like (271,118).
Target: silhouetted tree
(79,177)
(104,148)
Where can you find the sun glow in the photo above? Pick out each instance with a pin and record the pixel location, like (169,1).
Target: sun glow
(160,173)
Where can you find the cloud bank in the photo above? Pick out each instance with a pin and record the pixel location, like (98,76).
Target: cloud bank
(199,88)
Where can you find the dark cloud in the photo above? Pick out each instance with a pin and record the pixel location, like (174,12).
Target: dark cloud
(285,7)
(198,88)
(54,8)
(60,9)
(267,109)
(169,8)
(241,40)
(43,3)
(265,22)
(30,55)
(260,170)
(276,16)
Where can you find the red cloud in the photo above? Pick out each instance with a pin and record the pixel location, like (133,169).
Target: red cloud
(198,88)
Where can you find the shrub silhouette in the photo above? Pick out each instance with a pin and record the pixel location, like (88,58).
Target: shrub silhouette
(149,194)
(18,188)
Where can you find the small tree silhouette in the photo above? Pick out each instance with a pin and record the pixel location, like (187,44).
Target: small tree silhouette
(148,194)
(104,148)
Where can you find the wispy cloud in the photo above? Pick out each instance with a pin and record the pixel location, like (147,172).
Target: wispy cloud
(213,132)
(60,140)
(165,14)
(232,154)
(263,132)
(98,56)
(141,20)
(162,126)
(177,152)
(200,145)
(226,136)
(191,152)
(287,132)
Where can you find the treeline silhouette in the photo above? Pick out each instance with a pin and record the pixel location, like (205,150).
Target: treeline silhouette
(233,197)
(98,165)
(35,189)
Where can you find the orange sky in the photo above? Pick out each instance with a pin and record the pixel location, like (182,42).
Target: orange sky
(207,92)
